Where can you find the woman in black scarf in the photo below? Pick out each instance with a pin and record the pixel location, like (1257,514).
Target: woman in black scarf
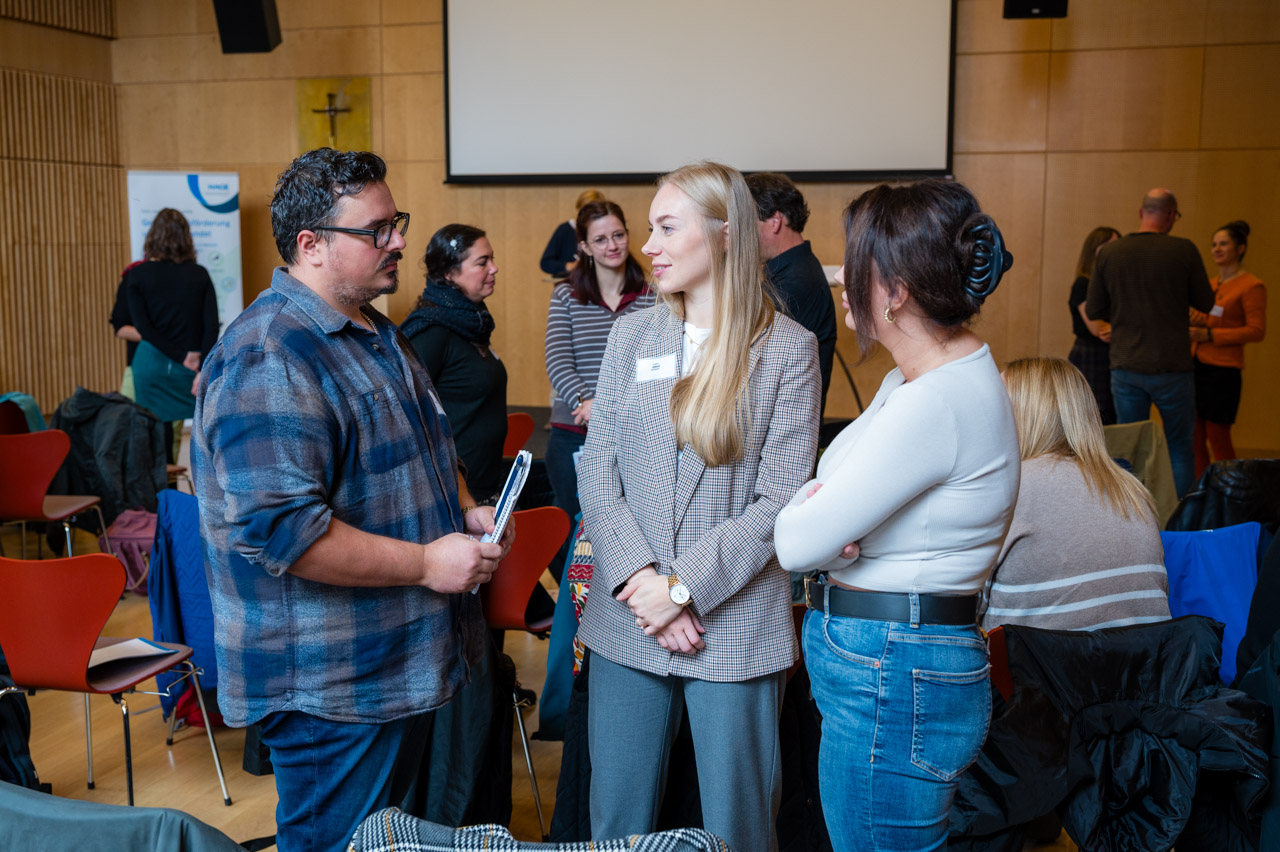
(449,328)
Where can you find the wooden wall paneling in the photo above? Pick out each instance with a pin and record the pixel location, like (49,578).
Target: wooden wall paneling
(1239,96)
(413,49)
(1139,99)
(136,18)
(309,14)
(1242,21)
(92,17)
(1104,24)
(1002,101)
(982,28)
(413,117)
(412,11)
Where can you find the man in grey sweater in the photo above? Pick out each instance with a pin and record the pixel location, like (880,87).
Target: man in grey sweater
(1143,284)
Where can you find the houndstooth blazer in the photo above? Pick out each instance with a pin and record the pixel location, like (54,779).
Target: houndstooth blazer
(643,501)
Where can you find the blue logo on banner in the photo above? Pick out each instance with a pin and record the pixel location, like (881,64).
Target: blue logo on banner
(228,206)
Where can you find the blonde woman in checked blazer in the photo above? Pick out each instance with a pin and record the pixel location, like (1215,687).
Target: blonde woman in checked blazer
(705,423)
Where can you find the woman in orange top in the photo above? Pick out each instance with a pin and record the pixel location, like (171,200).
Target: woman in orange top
(1239,316)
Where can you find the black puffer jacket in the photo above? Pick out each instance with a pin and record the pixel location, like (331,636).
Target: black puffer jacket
(1229,493)
(117,453)
(1129,735)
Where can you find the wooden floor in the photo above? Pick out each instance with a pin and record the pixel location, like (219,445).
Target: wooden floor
(182,776)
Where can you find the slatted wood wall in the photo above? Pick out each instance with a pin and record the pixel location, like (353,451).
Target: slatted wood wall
(63,239)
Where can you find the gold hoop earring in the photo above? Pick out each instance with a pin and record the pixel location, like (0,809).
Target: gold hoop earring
(888,315)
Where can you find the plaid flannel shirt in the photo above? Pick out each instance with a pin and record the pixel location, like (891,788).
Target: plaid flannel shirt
(305,417)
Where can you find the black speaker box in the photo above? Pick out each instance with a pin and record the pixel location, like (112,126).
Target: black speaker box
(1035,8)
(247,26)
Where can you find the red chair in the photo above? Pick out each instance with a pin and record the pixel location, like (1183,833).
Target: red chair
(539,534)
(998,653)
(28,464)
(519,430)
(55,610)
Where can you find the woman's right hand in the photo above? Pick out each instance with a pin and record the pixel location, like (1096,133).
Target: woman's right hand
(683,635)
(582,414)
(192,361)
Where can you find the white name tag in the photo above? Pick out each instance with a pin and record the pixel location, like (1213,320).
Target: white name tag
(648,369)
(1216,312)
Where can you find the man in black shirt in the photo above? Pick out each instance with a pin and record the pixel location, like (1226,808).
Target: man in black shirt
(796,275)
(1143,284)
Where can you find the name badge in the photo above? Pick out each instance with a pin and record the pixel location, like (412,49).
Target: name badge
(648,369)
(1217,311)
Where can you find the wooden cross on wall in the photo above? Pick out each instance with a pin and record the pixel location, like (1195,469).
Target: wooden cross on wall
(333,111)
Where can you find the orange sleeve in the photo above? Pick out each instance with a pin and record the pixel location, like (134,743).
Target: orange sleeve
(1254,301)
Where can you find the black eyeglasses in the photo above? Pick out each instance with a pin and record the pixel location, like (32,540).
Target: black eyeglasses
(381,234)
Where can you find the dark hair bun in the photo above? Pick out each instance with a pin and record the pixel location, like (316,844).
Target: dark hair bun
(1240,226)
(983,256)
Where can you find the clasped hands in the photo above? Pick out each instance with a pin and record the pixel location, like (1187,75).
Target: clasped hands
(675,627)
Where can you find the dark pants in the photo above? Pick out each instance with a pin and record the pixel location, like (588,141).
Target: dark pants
(561,445)
(331,775)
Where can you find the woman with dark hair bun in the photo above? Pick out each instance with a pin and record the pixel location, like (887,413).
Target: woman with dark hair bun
(174,309)
(1239,316)
(450,328)
(608,283)
(1091,352)
(905,519)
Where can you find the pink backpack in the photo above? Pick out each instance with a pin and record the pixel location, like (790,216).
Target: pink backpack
(131,538)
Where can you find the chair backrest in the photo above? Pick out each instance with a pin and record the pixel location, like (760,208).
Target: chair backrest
(539,534)
(519,428)
(54,612)
(1143,445)
(13,421)
(28,464)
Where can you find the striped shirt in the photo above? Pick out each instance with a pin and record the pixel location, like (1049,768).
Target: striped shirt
(306,417)
(577,335)
(1070,562)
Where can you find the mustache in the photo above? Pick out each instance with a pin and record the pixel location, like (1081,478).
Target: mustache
(394,257)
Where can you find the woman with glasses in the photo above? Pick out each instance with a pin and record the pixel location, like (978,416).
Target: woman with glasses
(449,328)
(174,309)
(705,421)
(607,284)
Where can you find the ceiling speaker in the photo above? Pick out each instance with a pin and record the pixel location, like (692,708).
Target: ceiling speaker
(1035,8)
(248,26)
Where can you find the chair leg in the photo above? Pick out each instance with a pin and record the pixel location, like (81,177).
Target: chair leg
(88,739)
(128,746)
(528,761)
(173,724)
(66,528)
(22,525)
(208,729)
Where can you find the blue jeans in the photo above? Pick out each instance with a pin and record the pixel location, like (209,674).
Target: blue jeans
(561,445)
(904,710)
(1174,396)
(331,775)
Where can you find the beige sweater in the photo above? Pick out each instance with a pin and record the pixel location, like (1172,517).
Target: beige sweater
(1071,562)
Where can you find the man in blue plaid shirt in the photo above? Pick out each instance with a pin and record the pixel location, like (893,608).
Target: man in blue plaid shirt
(340,539)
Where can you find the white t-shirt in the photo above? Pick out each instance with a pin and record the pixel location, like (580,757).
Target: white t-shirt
(694,337)
(925,481)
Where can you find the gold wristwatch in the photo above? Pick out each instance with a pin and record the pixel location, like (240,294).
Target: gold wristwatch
(678,591)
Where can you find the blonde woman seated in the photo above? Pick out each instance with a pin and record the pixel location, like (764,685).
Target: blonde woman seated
(1083,551)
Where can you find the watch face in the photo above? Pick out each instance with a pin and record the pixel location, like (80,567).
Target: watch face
(680,594)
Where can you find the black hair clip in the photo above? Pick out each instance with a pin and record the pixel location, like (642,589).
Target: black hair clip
(991,260)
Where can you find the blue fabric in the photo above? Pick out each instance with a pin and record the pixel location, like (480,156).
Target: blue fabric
(178,591)
(1213,573)
(1174,396)
(904,711)
(305,417)
(553,705)
(30,409)
(331,775)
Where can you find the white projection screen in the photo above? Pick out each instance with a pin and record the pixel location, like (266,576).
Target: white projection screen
(617,90)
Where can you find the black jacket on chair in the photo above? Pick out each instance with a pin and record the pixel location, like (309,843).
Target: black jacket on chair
(1126,732)
(1229,493)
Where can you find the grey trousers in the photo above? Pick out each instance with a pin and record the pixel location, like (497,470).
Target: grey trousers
(632,719)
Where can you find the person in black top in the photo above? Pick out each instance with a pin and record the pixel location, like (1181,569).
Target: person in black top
(1091,352)
(561,254)
(174,308)
(800,285)
(126,331)
(449,328)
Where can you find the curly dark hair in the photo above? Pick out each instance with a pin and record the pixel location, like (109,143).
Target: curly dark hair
(169,238)
(775,193)
(307,193)
(921,236)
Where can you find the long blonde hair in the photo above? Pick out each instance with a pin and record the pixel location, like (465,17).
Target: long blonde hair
(709,405)
(1056,414)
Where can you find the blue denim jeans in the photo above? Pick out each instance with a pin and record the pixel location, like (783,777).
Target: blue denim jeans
(1174,396)
(331,775)
(904,710)
(561,445)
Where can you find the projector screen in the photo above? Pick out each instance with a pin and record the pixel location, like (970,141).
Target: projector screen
(609,90)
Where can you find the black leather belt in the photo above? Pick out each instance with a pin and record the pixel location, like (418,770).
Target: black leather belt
(889,606)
